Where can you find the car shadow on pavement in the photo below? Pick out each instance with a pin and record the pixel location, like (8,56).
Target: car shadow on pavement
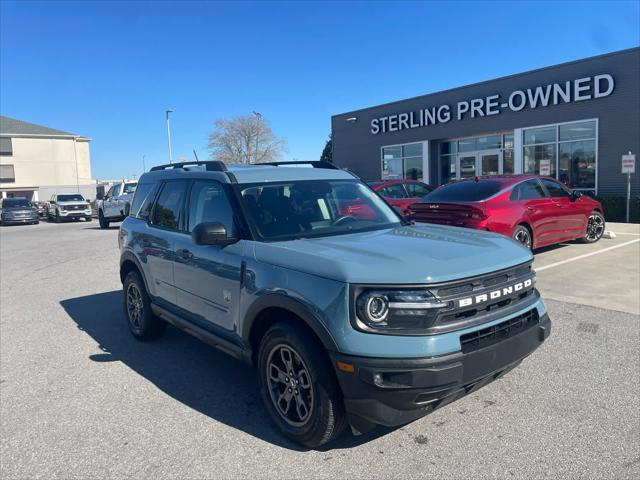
(188,370)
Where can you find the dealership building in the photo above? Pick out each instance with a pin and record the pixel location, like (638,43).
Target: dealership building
(572,121)
(37,162)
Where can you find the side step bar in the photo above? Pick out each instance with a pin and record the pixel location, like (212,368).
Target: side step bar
(205,336)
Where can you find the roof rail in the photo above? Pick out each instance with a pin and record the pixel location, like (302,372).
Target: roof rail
(313,163)
(210,165)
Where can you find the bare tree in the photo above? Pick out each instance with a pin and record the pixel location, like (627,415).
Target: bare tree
(245,139)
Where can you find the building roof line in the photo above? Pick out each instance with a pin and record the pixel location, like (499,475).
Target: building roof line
(483,82)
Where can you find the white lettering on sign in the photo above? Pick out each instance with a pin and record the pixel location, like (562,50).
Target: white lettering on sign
(542,96)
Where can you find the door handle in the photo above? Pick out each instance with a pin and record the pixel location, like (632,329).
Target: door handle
(559,205)
(532,209)
(184,254)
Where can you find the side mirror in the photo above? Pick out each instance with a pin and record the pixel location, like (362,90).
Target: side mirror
(211,233)
(575,195)
(52,202)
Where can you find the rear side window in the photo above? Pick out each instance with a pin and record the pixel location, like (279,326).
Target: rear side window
(529,190)
(417,189)
(209,203)
(555,189)
(142,200)
(394,191)
(465,191)
(168,210)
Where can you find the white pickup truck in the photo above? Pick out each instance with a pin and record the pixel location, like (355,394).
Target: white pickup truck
(114,206)
(65,206)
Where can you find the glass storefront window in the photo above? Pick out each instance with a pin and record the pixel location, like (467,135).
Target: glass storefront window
(412,150)
(392,169)
(534,154)
(402,161)
(508,141)
(507,162)
(448,148)
(413,168)
(489,143)
(577,164)
(578,131)
(534,136)
(467,145)
(391,152)
(447,168)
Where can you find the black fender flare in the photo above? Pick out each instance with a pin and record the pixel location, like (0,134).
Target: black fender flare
(130,256)
(286,302)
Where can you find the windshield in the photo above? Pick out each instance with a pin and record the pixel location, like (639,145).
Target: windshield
(465,191)
(16,203)
(70,198)
(315,208)
(130,187)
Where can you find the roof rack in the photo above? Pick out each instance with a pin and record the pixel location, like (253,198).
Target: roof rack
(313,163)
(211,165)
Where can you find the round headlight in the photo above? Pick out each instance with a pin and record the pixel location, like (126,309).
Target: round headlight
(374,307)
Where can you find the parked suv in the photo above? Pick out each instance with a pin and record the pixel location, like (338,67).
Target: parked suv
(63,206)
(114,206)
(350,320)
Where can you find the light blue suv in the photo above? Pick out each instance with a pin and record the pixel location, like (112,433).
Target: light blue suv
(353,315)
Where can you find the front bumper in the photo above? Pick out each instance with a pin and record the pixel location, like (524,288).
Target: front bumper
(20,220)
(75,213)
(394,392)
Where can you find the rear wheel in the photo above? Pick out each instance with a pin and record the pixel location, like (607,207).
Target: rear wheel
(102,221)
(298,386)
(144,325)
(523,235)
(595,228)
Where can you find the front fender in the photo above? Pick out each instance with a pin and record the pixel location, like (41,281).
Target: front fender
(295,306)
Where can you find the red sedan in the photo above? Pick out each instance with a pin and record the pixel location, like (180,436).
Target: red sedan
(401,193)
(536,211)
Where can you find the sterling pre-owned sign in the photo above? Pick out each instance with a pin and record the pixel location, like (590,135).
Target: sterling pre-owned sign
(577,90)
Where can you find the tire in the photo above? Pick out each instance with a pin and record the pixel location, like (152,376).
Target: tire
(88,219)
(57,218)
(595,228)
(102,221)
(143,324)
(320,416)
(523,235)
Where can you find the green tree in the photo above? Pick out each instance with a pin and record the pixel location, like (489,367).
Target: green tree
(327,151)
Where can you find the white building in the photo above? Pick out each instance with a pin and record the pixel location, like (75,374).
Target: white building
(37,161)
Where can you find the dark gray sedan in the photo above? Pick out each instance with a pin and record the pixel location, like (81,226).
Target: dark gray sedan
(17,211)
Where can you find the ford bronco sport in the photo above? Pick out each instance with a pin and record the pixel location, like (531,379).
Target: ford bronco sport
(352,315)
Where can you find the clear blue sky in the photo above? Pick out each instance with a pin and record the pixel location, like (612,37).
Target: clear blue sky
(107,70)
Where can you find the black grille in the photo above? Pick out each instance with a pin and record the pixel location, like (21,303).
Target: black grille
(486,337)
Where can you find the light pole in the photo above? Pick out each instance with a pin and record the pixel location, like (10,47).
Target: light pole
(259,117)
(167,112)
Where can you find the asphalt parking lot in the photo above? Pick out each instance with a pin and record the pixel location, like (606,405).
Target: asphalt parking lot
(80,398)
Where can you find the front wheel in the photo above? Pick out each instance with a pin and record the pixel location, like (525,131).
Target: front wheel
(595,228)
(102,221)
(57,217)
(298,386)
(144,325)
(523,235)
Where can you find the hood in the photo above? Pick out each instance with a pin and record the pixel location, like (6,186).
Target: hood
(404,255)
